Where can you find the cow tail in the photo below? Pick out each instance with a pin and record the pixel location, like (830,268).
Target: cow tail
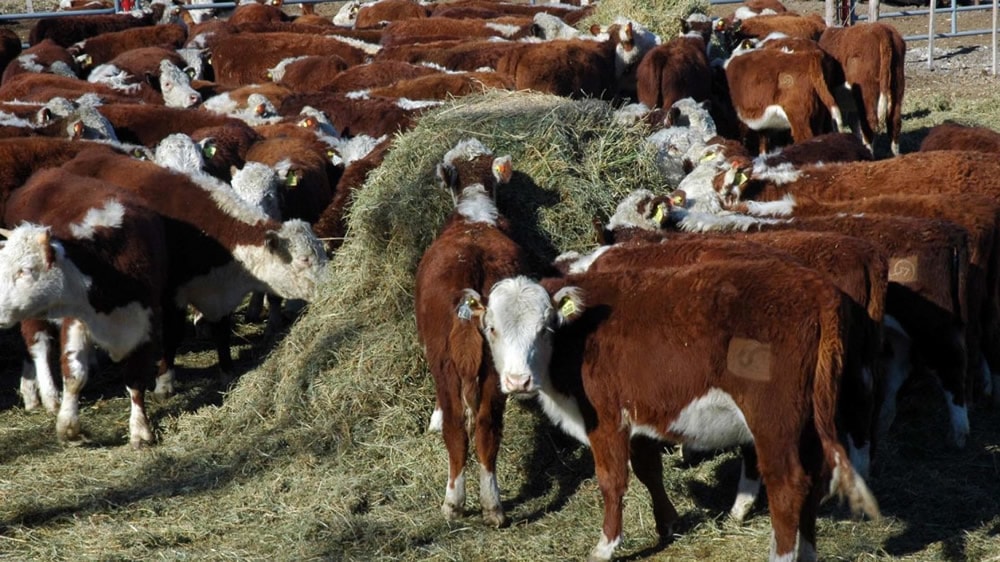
(885,77)
(826,386)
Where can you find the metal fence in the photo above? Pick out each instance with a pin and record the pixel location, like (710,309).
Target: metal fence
(844,12)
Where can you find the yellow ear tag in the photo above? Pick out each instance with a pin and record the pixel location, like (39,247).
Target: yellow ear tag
(707,157)
(567,307)
(741,178)
(658,216)
(208,150)
(292,180)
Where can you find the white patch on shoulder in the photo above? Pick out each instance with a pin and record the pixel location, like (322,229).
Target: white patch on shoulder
(583,263)
(713,421)
(357,95)
(109,216)
(29,63)
(506,30)
(476,205)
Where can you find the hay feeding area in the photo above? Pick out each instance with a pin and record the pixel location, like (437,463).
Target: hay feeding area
(319,450)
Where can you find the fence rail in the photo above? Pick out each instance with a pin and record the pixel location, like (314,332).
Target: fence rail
(837,12)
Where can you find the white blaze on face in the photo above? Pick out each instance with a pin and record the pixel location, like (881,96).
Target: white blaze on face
(180,153)
(29,281)
(290,264)
(257,184)
(518,326)
(175,85)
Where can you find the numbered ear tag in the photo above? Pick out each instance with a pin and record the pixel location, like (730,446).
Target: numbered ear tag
(465,311)
(567,307)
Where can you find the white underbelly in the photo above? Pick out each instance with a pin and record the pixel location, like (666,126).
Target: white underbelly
(713,421)
(773,118)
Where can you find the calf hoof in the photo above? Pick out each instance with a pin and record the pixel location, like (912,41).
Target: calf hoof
(68,429)
(740,510)
(451,511)
(494,517)
(164,386)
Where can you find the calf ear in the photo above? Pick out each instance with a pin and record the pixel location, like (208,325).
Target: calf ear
(449,178)
(470,306)
(45,240)
(568,302)
(503,169)
(275,245)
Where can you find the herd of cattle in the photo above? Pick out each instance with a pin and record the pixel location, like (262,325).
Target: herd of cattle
(167,159)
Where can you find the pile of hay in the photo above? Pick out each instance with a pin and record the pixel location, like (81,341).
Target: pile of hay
(348,388)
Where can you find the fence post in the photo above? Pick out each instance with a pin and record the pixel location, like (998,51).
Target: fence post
(994,37)
(930,35)
(873,10)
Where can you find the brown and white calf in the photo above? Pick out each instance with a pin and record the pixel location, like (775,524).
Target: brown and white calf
(872,56)
(233,248)
(673,71)
(102,48)
(774,90)
(472,250)
(47,57)
(90,252)
(151,74)
(681,374)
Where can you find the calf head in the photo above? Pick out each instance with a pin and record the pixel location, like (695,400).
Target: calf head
(258,184)
(31,276)
(519,324)
(175,86)
(290,263)
(180,153)
(469,163)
